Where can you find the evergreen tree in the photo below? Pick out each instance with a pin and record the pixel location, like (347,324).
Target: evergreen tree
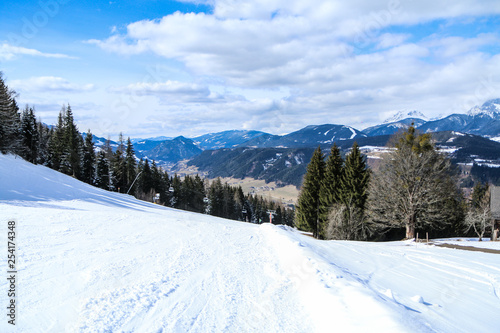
(177,197)
(216,198)
(331,187)
(478,193)
(160,185)
(130,165)
(146,182)
(10,122)
(43,143)
(119,167)
(308,206)
(239,200)
(119,171)
(72,146)
(108,150)
(165,195)
(229,205)
(89,160)
(29,135)
(56,143)
(355,179)
(102,171)
(199,195)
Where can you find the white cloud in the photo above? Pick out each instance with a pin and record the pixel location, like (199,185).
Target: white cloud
(388,40)
(49,83)
(334,57)
(449,47)
(168,87)
(9,52)
(250,43)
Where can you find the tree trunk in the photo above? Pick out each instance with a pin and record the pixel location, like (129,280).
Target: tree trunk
(410,228)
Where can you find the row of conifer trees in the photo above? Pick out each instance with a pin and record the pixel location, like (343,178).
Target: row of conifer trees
(327,184)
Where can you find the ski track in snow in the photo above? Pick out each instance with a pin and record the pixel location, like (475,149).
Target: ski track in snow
(95,261)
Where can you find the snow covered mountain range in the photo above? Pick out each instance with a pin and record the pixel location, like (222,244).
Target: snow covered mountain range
(481,120)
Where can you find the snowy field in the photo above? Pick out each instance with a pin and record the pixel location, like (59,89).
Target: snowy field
(95,261)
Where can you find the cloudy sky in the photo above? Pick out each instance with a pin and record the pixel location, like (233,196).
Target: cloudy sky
(153,67)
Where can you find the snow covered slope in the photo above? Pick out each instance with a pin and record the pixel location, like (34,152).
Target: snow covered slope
(94,261)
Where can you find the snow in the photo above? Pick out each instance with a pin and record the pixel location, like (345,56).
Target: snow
(400,115)
(483,162)
(473,242)
(95,261)
(353,133)
(381,149)
(447,150)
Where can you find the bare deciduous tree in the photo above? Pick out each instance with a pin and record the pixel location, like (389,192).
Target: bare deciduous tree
(479,218)
(414,187)
(346,222)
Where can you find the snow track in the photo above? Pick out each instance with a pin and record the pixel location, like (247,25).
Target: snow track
(94,261)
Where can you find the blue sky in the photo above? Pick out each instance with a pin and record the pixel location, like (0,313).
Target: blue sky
(149,68)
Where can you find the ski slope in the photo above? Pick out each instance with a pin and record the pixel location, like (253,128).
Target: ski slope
(95,261)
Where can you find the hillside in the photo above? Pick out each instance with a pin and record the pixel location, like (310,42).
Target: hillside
(309,136)
(285,166)
(168,151)
(94,261)
(225,139)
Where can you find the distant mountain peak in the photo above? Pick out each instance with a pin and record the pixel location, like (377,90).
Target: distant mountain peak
(400,115)
(490,108)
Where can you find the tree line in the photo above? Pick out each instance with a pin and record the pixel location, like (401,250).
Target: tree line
(414,188)
(63,148)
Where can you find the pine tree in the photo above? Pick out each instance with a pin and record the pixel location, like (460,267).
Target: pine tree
(89,160)
(229,205)
(108,150)
(72,146)
(29,135)
(56,143)
(177,196)
(10,121)
(307,217)
(130,166)
(199,195)
(331,187)
(43,143)
(478,193)
(160,185)
(355,179)
(119,168)
(102,171)
(216,198)
(146,186)
(119,171)
(354,182)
